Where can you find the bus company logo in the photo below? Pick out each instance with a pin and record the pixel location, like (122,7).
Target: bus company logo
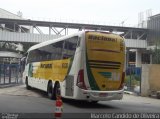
(106,74)
(114,76)
(46,65)
(93,37)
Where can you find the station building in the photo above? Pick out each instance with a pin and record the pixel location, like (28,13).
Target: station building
(11,52)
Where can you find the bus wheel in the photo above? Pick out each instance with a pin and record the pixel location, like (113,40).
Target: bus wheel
(57,91)
(27,86)
(50,91)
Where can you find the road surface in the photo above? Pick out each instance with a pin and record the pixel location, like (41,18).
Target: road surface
(19,100)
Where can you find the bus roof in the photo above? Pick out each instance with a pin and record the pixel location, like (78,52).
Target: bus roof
(59,39)
(53,41)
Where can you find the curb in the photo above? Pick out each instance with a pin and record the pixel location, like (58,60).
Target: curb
(10,85)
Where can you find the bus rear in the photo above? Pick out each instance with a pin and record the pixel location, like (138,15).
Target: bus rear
(103,72)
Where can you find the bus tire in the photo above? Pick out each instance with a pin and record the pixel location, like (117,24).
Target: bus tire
(57,91)
(50,91)
(27,86)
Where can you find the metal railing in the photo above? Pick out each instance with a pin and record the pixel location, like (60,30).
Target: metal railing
(10,74)
(133,79)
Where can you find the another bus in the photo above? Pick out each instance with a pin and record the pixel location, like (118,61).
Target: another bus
(88,65)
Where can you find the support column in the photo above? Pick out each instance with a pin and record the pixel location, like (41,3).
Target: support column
(127,58)
(19,29)
(151,59)
(32,29)
(138,58)
(49,31)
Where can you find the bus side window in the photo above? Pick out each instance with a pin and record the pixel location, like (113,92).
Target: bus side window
(48,57)
(70,47)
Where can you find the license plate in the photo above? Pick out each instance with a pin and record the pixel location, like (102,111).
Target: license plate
(103,94)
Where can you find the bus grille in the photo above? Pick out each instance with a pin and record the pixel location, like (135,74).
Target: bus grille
(104,64)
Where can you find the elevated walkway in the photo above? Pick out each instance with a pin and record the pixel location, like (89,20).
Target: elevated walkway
(37,38)
(136,44)
(24,37)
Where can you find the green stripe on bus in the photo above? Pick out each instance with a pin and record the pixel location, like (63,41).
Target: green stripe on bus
(91,78)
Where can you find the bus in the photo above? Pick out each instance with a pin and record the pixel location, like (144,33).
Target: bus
(88,65)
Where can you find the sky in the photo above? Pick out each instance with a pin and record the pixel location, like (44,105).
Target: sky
(111,12)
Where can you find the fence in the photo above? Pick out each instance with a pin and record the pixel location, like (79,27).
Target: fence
(10,74)
(133,79)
